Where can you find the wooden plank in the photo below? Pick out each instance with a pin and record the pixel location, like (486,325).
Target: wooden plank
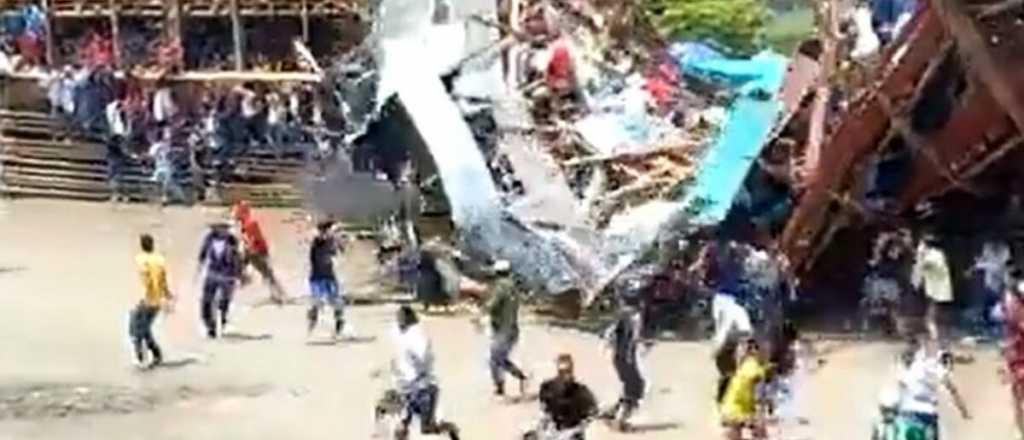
(237,37)
(998,66)
(115,32)
(862,126)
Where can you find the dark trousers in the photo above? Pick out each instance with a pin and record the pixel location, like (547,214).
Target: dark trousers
(633,382)
(501,348)
(140,329)
(422,403)
(216,291)
(261,262)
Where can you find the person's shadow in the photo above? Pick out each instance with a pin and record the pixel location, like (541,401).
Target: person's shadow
(171,364)
(354,340)
(239,337)
(643,428)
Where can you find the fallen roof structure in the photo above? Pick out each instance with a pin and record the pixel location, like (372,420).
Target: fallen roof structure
(975,44)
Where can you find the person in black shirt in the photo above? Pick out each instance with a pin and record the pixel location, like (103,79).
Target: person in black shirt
(117,161)
(323,283)
(566,403)
(625,340)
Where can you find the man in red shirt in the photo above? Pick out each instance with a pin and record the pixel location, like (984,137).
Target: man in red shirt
(256,250)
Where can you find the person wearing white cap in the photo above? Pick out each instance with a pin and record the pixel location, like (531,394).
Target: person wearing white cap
(503,313)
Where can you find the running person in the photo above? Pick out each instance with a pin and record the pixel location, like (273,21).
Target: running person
(153,269)
(503,311)
(739,404)
(919,391)
(414,370)
(324,285)
(567,404)
(256,250)
(625,339)
(219,255)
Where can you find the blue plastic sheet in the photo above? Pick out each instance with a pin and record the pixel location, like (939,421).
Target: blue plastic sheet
(749,122)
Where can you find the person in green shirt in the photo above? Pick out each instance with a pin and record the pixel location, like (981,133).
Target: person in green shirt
(503,312)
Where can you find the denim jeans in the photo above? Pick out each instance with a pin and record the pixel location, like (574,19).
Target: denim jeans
(217,290)
(501,348)
(140,329)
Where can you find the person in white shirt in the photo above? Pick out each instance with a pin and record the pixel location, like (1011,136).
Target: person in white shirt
(919,386)
(867,44)
(931,272)
(115,119)
(413,368)
(277,129)
(164,107)
(990,276)
(163,169)
(732,324)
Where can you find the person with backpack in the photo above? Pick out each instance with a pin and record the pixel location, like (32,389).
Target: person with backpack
(220,256)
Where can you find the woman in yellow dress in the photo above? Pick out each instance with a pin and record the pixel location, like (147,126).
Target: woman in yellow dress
(739,405)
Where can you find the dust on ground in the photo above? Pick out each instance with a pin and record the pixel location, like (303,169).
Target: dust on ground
(67,282)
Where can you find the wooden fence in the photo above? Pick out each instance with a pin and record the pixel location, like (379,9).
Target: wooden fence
(40,158)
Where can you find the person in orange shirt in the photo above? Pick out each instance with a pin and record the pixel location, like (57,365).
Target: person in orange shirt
(256,250)
(153,271)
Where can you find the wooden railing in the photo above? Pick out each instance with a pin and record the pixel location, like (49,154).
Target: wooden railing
(39,157)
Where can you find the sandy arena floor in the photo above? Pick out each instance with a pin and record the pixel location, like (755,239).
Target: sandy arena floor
(67,281)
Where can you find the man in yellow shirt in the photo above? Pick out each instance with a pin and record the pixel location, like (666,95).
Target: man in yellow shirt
(739,405)
(153,270)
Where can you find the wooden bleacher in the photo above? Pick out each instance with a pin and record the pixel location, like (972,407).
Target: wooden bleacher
(40,158)
(202,8)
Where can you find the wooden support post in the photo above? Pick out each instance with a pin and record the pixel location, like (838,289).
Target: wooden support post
(990,59)
(173,21)
(51,54)
(305,21)
(115,31)
(238,36)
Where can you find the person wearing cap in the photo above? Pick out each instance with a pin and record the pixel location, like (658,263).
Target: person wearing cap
(503,313)
(256,251)
(220,257)
(324,285)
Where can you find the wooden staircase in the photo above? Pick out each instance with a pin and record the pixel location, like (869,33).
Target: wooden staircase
(40,158)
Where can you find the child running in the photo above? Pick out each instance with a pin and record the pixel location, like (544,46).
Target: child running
(739,404)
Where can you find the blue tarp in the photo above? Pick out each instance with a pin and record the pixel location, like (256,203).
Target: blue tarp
(750,120)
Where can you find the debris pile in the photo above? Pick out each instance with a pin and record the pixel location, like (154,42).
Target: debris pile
(563,142)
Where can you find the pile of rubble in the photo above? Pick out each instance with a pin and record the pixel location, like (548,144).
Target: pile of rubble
(563,135)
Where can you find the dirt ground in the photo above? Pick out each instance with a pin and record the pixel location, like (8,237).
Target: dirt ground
(67,281)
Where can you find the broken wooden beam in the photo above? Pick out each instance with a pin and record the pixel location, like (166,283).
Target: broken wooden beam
(994,60)
(858,134)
